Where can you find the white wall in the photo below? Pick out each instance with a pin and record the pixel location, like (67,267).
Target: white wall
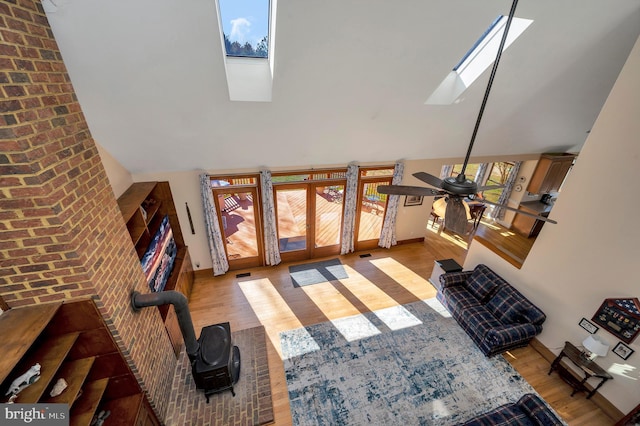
(591,253)
(119,177)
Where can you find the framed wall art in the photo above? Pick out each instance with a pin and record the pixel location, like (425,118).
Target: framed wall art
(620,317)
(587,325)
(622,350)
(413,200)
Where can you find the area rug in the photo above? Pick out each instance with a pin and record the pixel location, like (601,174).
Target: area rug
(406,365)
(252,404)
(317,272)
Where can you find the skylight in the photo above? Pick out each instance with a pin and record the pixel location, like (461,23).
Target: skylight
(247,35)
(245,26)
(477,60)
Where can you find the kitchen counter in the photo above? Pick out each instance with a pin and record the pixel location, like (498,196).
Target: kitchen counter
(536,207)
(530,226)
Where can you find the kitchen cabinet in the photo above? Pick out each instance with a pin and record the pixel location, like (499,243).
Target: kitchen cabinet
(550,173)
(71,340)
(143,206)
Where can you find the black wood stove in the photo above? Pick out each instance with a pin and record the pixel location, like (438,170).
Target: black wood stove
(217,367)
(215,360)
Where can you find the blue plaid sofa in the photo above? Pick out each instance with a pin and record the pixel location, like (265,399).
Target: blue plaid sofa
(494,314)
(530,410)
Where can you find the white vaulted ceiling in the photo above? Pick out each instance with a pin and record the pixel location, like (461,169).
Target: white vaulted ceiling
(350,80)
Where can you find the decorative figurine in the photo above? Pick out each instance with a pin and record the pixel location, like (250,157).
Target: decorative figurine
(58,388)
(98,419)
(31,376)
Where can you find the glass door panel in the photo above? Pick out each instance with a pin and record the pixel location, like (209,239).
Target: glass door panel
(372,209)
(239,226)
(291,208)
(328,219)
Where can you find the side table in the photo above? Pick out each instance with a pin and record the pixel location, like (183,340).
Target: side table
(440,267)
(588,367)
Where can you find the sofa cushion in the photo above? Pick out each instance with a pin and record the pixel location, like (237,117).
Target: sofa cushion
(510,307)
(506,415)
(459,298)
(476,321)
(538,411)
(483,282)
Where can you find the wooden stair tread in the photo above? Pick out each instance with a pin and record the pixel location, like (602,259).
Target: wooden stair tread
(50,355)
(19,328)
(85,407)
(75,373)
(123,410)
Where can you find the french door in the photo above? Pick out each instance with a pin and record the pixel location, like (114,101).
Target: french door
(309,218)
(239,219)
(372,207)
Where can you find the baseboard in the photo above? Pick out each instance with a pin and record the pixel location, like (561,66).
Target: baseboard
(602,402)
(203,273)
(411,241)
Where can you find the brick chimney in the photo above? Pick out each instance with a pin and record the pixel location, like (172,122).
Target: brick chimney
(62,234)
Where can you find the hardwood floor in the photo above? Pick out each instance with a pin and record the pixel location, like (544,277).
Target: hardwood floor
(386,278)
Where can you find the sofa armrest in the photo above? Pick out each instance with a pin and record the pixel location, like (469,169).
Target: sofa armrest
(508,334)
(538,411)
(450,279)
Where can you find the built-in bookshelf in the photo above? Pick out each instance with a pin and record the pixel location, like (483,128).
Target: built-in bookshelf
(71,341)
(144,205)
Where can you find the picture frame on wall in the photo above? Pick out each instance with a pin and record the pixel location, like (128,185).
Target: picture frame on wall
(622,350)
(620,317)
(413,200)
(589,326)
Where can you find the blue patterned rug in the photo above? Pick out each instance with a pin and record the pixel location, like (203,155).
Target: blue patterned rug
(406,365)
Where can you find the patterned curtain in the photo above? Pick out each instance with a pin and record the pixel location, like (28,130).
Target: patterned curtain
(271,247)
(388,233)
(480,174)
(498,212)
(214,236)
(446,171)
(350,207)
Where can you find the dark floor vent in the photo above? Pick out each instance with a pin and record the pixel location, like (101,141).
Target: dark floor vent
(366,255)
(244,274)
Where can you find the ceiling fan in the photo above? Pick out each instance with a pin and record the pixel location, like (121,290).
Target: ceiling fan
(455,189)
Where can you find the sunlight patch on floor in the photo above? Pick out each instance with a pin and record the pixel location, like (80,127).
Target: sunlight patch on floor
(452,239)
(414,283)
(327,297)
(440,409)
(367,292)
(438,307)
(397,317)
(355,327)
(269,307)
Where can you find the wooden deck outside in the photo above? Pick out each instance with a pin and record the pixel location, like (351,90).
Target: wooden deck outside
(240,231)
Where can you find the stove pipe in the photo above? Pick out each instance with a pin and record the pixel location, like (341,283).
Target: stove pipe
(181,305)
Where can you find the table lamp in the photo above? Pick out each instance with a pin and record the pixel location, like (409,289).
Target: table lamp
(595,346)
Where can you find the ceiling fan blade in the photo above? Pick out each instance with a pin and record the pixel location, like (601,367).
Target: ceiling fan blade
(430,179)
(408,190)
(455,218)
(537,216)
(489,188)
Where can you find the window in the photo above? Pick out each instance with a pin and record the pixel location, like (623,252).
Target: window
(245,26)
(481,55)
(496,175)
(247,35)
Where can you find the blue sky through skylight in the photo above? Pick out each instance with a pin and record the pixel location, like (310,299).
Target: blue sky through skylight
(245,21)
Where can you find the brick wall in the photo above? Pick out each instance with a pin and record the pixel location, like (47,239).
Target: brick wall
(61,232)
